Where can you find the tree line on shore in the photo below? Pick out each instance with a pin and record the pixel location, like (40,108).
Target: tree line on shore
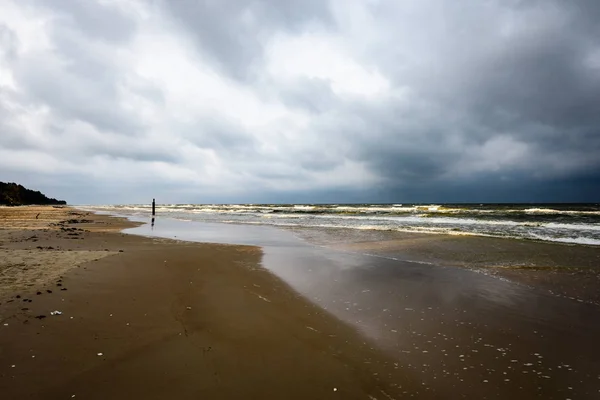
(13,194)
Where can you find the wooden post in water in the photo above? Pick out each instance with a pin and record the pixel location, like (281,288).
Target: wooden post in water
(153,207)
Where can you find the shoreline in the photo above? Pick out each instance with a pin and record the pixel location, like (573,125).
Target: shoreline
(165,319)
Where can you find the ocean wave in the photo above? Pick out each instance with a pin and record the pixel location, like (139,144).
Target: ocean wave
(440,220)
(430,230)
(394,209)
(432,220)
(572,240)
(556,224)
(575,227)
(557,212)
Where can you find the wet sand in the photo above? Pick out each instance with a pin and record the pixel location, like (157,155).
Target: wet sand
(156,318)
(461,332)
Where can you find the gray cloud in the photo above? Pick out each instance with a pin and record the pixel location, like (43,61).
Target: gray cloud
(532,86)
(225,136)
(310,94)
(233,33)
(376,101)
(82,82)
(97,21)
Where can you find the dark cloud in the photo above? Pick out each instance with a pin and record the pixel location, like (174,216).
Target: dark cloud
(534,86)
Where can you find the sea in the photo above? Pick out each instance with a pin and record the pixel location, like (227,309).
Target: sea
(563,223)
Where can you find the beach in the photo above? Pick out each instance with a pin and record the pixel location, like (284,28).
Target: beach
(155,319)
(188,309)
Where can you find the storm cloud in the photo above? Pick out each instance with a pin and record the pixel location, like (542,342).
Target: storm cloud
(301,101)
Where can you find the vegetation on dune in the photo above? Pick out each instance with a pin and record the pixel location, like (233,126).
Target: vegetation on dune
(12,194)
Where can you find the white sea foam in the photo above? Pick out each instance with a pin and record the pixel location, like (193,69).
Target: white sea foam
(301,207)
(576,227)
(558,212)
(574,240)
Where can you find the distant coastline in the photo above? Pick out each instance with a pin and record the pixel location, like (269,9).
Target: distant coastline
(13,194)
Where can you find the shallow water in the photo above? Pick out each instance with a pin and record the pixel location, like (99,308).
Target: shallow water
(564,223)
(466,335)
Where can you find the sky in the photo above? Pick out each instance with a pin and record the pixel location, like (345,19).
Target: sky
(301,101)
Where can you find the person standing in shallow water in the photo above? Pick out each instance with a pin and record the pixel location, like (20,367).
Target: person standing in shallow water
(153,212)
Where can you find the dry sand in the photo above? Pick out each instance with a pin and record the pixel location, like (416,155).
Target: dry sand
(156,319)
(24,262)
